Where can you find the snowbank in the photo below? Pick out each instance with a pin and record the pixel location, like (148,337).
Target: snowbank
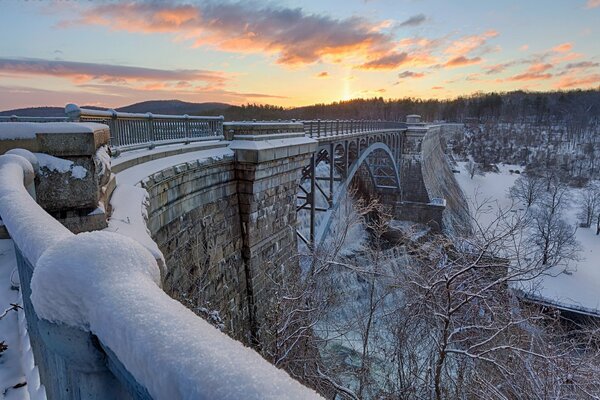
(28,130)
(129,216)
(137,173)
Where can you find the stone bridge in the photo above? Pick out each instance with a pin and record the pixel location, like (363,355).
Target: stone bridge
(215,204)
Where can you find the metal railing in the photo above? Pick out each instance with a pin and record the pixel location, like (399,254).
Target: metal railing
(131,130)
(323,128)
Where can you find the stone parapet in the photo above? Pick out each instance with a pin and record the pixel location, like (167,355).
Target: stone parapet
(231,129)
(74,175)
(268,167)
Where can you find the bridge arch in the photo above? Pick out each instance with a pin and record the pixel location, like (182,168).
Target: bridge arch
(342,190)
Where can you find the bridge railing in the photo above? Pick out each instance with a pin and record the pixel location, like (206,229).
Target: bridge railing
(99,323)
(323,128)
(131,131)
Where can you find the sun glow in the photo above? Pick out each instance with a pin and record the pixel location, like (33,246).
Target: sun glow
(346,93)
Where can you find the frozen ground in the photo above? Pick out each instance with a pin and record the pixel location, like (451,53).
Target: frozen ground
(11,371)
(577,291)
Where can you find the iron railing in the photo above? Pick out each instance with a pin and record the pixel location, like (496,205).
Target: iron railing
(131,130)
(324,128)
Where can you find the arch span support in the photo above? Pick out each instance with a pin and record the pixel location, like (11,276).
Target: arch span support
(383,172)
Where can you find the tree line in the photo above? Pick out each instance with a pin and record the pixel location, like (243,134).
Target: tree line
(580,106)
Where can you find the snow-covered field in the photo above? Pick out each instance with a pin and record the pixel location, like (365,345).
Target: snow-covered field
(579,290)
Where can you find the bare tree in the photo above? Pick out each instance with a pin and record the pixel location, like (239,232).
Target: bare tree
(589,204)
(527,189)
(552,235)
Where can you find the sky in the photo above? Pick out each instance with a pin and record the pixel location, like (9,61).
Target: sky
(291,53)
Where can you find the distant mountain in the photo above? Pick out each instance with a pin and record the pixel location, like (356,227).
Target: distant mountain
(36,112)
(175,107)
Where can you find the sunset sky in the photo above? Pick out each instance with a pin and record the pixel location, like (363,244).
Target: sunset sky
(291,53)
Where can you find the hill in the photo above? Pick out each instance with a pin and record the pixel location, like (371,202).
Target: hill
(175,107)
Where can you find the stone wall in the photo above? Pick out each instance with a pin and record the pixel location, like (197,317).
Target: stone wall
(227,227)
(440,182)
(194,218)
(411,177)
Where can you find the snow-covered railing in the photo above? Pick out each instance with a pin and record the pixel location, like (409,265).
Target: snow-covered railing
(323,128)
(101,326)
(132,130)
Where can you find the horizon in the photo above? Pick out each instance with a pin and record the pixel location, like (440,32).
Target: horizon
(289,56)
(449,100)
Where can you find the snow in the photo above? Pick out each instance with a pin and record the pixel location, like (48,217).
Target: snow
(103,159)
(132,154)
(60,165)
(28,130)
(577,291)
(137,173)
(11,370)
(129,215)
(29,226)
(109,284)
(166,347)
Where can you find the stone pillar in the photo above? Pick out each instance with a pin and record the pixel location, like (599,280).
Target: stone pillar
(268,161)
(413,186)
(74,179)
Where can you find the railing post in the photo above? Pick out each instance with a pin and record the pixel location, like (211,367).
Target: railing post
(318,128)
(151,130)
(337,127)
(115,133)
(186,127)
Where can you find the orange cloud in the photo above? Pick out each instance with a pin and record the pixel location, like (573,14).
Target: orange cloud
(592,4)
(294,36)
(461,61)
(323,74)
(466,44)
(388,61)
(81,72)
(563,48)
(588,81)
(535,71)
